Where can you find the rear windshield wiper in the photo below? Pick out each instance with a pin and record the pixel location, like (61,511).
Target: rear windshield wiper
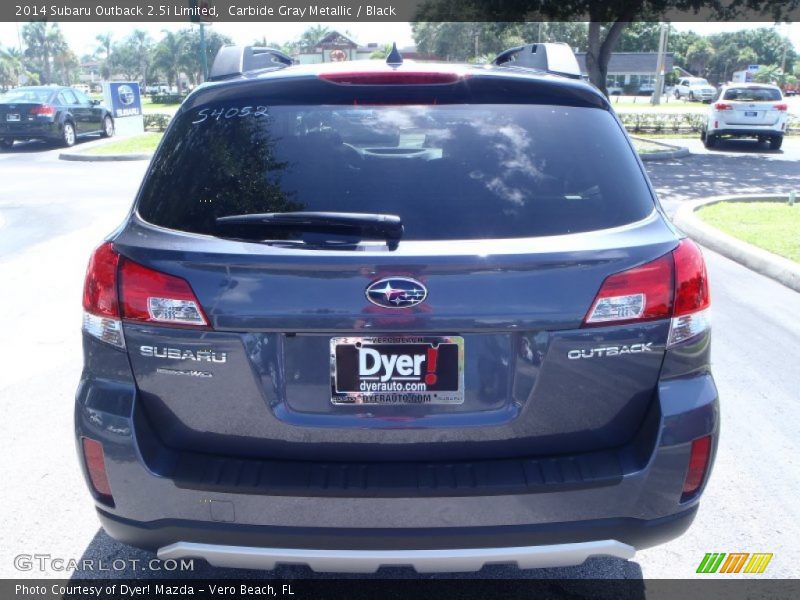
(363,226)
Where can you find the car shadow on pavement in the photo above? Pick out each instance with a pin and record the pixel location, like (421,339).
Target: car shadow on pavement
(749,146)
(715,174)
(33,146)
(105,558)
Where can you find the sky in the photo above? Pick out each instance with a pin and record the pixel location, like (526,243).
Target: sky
(81,36)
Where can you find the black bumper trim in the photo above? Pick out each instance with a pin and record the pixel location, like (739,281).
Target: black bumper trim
(638,533)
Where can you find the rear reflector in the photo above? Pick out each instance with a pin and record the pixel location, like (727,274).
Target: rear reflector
(639,294)
(698,465)
(390,78)
(673,286)
(96,468)
(155,297)
(100,306)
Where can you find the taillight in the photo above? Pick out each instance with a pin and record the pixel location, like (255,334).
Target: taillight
(101,317)
(117,288)
(699,457)
(723,106)
(96,468)
(781,107)
(45,110)
(674,286)
(390,78)
(692,296)
(154,297)
(639,294)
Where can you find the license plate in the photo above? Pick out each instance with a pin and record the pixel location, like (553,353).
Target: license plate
(12,117)
(750,113)
(397,370)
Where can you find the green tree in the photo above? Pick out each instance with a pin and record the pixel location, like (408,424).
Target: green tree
(168,56)
(774,74)
(11,67)
(312,35)
(608,19)
(105,46)
(699,56)
(42,40)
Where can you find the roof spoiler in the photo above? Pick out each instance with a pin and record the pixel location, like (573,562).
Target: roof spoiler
(235,61)
(556,58)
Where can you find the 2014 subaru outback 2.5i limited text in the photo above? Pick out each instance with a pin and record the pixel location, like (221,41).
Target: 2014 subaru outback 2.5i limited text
(369,314)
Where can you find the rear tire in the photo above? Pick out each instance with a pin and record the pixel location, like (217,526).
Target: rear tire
(6,144)
(710,141)
(108,127)
(68,135)
(776,142)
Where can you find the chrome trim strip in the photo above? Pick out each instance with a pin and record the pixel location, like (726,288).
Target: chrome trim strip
(423,561)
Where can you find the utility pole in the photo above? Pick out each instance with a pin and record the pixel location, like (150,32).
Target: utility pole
(660,65)
(203,56)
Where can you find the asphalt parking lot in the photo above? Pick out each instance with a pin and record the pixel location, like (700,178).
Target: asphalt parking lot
(52,213)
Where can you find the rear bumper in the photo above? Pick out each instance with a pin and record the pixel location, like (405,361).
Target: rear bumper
(423,561)
(184,537)
(31,130)
(733,131)
(533,527)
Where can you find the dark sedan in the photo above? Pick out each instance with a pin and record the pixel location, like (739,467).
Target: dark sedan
(51,113)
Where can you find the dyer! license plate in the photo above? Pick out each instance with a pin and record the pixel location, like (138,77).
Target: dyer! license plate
(397,370)
(12,117)
(750,113)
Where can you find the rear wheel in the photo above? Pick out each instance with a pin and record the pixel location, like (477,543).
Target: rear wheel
(108,127)
(710,140)
(68,135)
(6,144)
(776,142)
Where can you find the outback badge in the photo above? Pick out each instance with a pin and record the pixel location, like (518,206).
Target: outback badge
(396,292)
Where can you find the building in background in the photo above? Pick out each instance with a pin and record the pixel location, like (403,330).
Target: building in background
(631,72)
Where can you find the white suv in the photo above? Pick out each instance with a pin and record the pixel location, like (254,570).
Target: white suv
(747,110)
(695,88)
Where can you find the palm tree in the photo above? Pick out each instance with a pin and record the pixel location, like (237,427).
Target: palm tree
(11,67)
(312,35)
(43,40)
(105,47)
(169,55)
(142,44)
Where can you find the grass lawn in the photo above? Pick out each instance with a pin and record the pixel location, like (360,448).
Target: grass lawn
(136,144)
(773,226)
(149,107)
(645,147)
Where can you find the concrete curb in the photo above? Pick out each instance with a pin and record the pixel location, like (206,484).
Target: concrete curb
(673,152)
(77,156)
(761,261)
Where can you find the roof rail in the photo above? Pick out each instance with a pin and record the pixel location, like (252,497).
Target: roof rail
(556,58)
(235,61)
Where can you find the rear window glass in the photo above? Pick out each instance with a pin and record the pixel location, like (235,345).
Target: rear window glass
(752,94)
(22,95)
(449,171)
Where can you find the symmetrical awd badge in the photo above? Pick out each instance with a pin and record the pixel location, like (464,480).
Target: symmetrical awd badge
(396,292)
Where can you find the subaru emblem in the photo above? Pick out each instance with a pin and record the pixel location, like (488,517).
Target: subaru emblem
(396,292)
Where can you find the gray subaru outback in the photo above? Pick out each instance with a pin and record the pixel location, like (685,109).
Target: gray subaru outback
(374,314)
